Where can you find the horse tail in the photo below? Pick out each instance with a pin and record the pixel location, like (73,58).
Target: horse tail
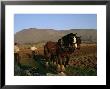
(45,50)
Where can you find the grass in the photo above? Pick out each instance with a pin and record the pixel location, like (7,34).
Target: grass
(80,71)
(28,62)
(25,64)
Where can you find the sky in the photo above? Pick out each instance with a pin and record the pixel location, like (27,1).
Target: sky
(55,21)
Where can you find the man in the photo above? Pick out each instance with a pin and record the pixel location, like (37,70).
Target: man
(16,54)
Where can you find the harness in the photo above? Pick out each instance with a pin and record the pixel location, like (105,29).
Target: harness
(68,43)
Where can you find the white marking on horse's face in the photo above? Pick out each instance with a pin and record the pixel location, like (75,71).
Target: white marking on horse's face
(74,39)
(74,42)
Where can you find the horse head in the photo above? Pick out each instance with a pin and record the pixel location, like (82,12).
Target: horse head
(74,41)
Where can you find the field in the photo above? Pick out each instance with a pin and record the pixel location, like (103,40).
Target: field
(82,62)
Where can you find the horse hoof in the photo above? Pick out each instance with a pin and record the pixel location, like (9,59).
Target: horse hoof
(54,63)
(58,68)
(62,68)
(62,74)
(67,65)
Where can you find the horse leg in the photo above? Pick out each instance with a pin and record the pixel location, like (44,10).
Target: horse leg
(46,53)
(62,68)
(67,61)
(48,60)
(51,59)
(78,46)
(59,64)
(62,64)
(54,60)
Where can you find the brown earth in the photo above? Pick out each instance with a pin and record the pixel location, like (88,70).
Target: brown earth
(84,59)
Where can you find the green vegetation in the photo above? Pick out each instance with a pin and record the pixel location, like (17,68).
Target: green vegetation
(80,71)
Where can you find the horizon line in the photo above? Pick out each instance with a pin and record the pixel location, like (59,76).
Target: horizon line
(57,29)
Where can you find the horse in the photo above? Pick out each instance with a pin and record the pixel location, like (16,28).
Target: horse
(67,46)
(62,49)
(50,52)
(68,39)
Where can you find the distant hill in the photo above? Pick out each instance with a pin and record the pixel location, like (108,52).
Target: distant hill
(33,35)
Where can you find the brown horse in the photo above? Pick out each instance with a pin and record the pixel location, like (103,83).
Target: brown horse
(50,52)
(61,51)
(54,54)
(64,52)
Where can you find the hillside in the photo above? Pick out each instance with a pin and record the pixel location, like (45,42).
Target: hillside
(33,35)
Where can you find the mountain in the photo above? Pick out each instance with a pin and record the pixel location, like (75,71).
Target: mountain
(34,35)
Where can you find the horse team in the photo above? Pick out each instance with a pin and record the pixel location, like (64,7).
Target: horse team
(59,52)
